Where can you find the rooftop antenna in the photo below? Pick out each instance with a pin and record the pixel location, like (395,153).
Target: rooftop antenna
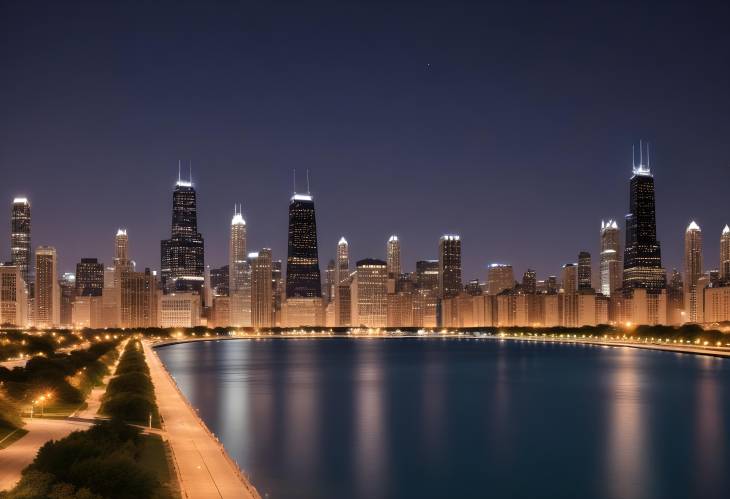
(295,180)
(308,181)
(179,163)
(633,155)
(648,158)
(641,153)
(190,165)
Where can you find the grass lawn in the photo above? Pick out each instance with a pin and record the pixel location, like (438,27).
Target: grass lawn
(155,457)
(10,435)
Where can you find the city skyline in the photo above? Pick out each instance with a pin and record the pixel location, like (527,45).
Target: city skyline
(325,249)
(409,106)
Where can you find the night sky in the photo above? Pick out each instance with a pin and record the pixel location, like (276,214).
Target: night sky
(510,125)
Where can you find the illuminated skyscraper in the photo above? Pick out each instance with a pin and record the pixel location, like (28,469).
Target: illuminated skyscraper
(676,314)
(89,277)
(692,269)
(239,273)
(20,237)
(342,270)
(121,248)
(529,282)
(642,254)
(584,271)
(303,278)
(183,255)
(569,282)
(611,270)
(369,293)
(13,297)
(261,295)
(450,283)
(499,278)
(47,291)
(393,257)
(427,275)
(329,281)
(725,255)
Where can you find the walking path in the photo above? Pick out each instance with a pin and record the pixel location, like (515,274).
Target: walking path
(204,468)
(22,452)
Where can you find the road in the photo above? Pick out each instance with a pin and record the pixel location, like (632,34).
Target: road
(204,469)
(22,452)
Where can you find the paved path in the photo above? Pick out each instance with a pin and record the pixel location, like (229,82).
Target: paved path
(22,452)
(204,469)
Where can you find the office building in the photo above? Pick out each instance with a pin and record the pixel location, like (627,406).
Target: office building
(261,295)
(20,237)
(89,277)
(239,273)
(450,283)
(47,291)
(183,255)
(499,278)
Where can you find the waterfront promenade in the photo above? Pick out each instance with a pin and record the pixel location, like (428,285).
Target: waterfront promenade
(204,469)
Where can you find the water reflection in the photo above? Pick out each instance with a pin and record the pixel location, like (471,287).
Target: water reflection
(371,459)
(627,432)
(710,465)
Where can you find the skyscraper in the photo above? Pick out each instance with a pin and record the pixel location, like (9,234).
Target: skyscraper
(499,278)
(342,270)
(121,248)
(329,281)
(675,299)
(239,273)
(261,295)
(725,255)
(20,237)
(393,257)
(611,270)
(276,292)
(89,277)
(369,293)
(302,263)
(427,275)
(569,280)
(183,255)
(584,271)
(13,297)
(450,283)
(642,254)
(692,269)
(47,291)
(529,282)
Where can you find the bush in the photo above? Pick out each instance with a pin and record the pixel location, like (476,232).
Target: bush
(101,462)
(129,407)
(131,382)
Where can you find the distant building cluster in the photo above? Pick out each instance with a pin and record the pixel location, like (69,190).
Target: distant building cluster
(253,290)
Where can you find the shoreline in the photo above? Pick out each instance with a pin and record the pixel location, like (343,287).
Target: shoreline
(224,477)
(712,351)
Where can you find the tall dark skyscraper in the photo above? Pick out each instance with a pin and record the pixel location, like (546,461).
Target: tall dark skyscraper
(20,236)
(89,277)
(302,263)
(450,283)
(642,254)
(584,270)
(183,255)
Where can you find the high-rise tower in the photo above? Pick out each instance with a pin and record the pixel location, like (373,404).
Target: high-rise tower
(393,257)
(183,255)
(47,290)
(239,272)
(261,296)
(20,236)
(584,271)
(342,269)
(450,283)
(303,278)
(642,254)
(725,255)
(692,269)
(121,248)
(610,258)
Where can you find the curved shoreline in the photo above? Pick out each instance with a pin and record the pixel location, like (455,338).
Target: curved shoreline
(721,352)
(202,463)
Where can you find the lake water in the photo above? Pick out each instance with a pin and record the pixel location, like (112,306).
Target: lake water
(476,418)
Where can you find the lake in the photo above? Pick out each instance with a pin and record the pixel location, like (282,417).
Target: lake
(462,418)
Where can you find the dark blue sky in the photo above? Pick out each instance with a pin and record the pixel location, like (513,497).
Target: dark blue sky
(510,124)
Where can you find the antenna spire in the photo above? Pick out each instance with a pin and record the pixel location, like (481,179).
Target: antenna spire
(179,166)
(633,155)
(190,165)
(641,153)
(295,180)
(648,158)
(308,181)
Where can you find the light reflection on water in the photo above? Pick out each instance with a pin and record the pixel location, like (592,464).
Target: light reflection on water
(471,418)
